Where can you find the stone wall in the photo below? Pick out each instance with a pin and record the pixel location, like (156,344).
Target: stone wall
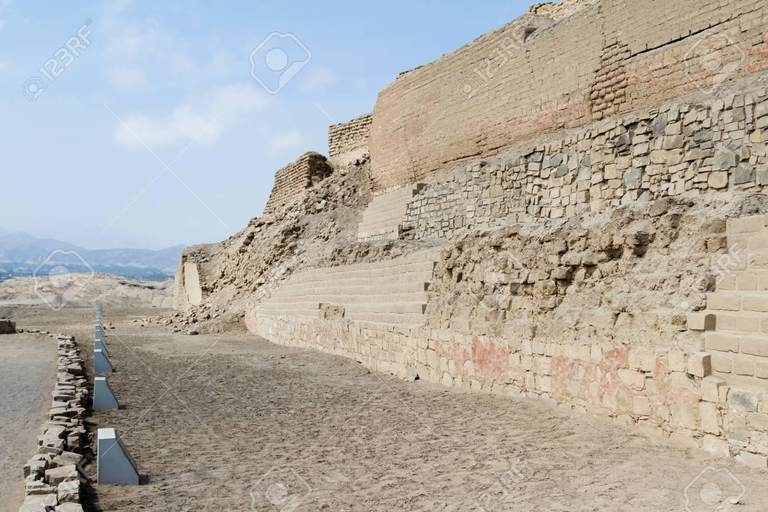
(347,141)
(668,393)
(295,178)
(715,143)
(52,476)
(535,76)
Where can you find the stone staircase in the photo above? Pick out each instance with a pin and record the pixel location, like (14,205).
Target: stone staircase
(737,312)
(383,218)
(391,292)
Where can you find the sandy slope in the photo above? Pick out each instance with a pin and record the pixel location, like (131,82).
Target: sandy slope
(336,437)
(27,373)
(82,290)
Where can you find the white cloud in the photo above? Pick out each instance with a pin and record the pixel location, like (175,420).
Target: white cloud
(318,78)
(205,117)
(285,142)
(154,52)
(128,78)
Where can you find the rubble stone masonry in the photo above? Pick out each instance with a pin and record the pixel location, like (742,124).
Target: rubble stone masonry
(677,149)
(536,76)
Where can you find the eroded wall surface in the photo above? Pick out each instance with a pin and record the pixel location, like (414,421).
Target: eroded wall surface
(535,76)
(295,178)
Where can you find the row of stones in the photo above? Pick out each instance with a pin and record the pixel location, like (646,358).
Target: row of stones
(672,394)
(52,475)
(676,150)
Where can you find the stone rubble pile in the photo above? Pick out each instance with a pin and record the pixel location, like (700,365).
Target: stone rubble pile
(52,476)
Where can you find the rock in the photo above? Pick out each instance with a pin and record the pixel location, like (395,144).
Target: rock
(725,160)
(56,476)
(743,174)
(69,491)
(633,178)
(718,180)
(192,332)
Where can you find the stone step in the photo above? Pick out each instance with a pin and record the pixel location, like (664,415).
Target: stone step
(369,306)
(386,225)
(353,271)
(383,288)
(342,298)
(753,344)
(379,215)
(740,321)
(737,301)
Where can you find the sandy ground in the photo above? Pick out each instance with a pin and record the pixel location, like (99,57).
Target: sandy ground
(236,423)
(27,374)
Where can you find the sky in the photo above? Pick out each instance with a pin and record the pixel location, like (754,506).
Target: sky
(144,124)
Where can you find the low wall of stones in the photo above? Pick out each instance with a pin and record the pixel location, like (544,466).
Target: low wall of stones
(669,393)
(706,144)
(536,76)
(348,141)
(52,476)
(295,178)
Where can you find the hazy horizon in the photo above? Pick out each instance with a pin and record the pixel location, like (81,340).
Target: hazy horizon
(171,85)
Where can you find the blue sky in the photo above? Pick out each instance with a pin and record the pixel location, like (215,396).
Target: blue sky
(168,84)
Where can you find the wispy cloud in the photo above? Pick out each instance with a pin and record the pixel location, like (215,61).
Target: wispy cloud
(290,141)
(228,105)
(317,79)
(140,52)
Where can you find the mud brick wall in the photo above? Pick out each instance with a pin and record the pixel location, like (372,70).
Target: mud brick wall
(295,178)
(679,149)
(346,137)
(535,76)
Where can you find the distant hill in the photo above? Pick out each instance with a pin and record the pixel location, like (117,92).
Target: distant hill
(21,254)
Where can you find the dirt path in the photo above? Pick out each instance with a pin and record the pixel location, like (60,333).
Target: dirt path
(27,374)
(247,425)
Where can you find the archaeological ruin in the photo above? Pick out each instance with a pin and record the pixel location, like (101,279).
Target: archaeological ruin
(571,207)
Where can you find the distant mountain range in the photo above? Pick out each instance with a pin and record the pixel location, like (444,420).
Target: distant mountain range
(22,254)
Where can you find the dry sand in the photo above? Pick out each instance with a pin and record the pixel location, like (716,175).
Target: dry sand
(245,422)
(27,374)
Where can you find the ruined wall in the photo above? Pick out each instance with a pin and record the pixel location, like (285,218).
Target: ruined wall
(295,178)
(714,144)
(596,314)
(194,276)
(348,141)
(533,77)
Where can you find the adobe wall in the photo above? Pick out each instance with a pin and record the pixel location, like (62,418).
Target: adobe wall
(349,141)
(535,76)
(295,178)
(713,144)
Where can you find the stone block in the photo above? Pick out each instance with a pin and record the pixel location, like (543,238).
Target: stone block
(709,418)
(753,460)
(634,379)
(701,322)
(743,400)
(716,446)
(700,364)
(710,389)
